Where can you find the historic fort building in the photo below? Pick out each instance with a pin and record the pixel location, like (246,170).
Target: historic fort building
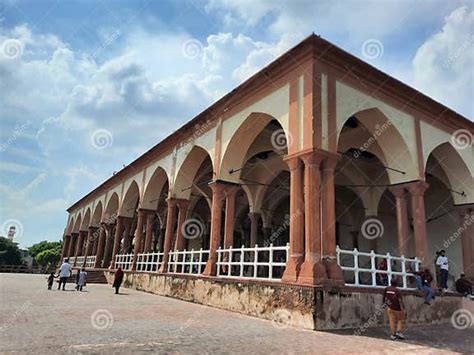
(319,175)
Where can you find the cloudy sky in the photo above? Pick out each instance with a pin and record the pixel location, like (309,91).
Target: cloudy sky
(87,86)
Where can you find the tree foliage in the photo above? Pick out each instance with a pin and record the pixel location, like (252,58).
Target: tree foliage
(48,257)
(10,254)
(37,248)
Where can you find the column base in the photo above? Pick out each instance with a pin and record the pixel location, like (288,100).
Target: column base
(312,273)
(293,267)
(334,272)
(210,269)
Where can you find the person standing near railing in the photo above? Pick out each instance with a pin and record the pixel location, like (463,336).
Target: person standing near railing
(443,264)
(393,302)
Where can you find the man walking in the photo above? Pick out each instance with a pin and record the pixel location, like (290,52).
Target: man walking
(443,264)
(64,273)
(392,300)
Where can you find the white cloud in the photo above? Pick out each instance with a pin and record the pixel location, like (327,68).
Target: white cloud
(443,65)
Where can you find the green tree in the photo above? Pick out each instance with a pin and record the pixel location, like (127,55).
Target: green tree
(48,257)
(37,248)
(10,254)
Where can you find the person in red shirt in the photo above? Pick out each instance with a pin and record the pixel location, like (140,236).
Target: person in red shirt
(393,302)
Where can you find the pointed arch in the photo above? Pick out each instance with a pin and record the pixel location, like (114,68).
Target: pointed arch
(154,188)
(188,171)
(445,163)
(111,209)
(130,200)
(236,151)
(86,221)
(372,131)
(97,215)
(77,225)
(70,226)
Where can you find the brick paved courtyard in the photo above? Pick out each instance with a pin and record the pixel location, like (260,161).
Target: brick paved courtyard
(35,320)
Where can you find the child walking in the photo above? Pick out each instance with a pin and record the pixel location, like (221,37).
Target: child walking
(51,278)
(81,282)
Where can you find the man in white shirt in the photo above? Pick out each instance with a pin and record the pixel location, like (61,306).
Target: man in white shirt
(64,273)
(443,263)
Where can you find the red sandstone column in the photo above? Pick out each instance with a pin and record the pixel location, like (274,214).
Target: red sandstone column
(72,244)
(293,265)
(96,242)
(89,243)
(217,200)
(109,241)
(402,218)
(230,216)
(150,218)
(138,237)
(182,210)
(417,191)
(117,240)
(466,219)
(127,240)
(100,247)
(328,216)
(170,222)
(254,216)
(79,245)
(313,270)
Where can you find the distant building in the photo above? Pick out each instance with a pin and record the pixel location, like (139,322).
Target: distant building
(11,232)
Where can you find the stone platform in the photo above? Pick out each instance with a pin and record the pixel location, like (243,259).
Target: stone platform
(306,307)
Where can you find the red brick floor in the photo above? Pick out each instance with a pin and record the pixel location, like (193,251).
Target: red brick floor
(35,320)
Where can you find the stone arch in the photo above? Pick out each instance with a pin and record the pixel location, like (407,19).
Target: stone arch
(70,226)
(97,215)
(188,171)
(130,200)
(77,225)
(112,207)
(372,131)
(236,151)
(86,221)
(154,188)
(445,163)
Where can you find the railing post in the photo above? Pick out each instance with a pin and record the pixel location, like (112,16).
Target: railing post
(404,272)
(242,261)
(229,265)
(389,269)
(218,264)
(270,261)
(356,267)
(373,268)
(255,256)
(200,260)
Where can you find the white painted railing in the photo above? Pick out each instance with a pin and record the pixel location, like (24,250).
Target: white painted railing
(71,260)
(149,261)
(362,269)
(90,261)
(266,263)
(188,261)
(124,261)
(79,261)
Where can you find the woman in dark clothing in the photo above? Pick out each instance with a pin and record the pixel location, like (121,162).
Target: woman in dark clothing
(118,279)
